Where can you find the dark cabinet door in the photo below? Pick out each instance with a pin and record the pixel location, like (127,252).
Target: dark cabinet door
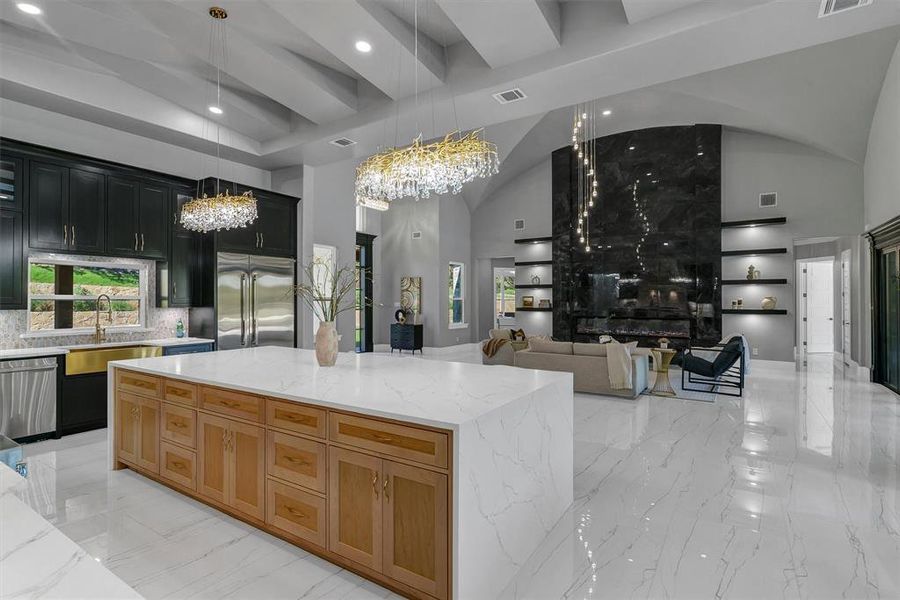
(12,260)
(275,225)
(154,218)
(48,211)
(242,239)
(181,269)
(11,188)
(181,196)
(122,216)
(87,211)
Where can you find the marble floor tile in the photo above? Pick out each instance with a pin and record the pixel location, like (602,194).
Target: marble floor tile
(792,492)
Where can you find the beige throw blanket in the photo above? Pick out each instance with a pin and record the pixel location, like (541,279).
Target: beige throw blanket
(618,361)
(492,346)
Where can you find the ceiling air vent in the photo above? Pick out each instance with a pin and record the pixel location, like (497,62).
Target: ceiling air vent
(768,199)
(417,235)
(519,224)
(508,96)
(831,7)
(342,142)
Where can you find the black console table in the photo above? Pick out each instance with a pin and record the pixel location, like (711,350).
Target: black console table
(406,337)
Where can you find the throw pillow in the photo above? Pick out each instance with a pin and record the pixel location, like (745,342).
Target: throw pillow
(518,334)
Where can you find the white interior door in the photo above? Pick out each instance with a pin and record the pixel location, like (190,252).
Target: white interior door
(820,306)
(845,305)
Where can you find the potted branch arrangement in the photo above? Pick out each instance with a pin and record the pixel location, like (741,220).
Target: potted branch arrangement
(328,291)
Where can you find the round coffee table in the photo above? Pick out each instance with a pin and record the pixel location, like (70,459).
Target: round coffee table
(662,357)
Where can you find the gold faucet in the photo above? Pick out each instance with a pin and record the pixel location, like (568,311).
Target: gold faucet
(100,332)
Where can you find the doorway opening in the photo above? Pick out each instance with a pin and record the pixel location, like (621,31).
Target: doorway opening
(363,312)
(504,297)
(815,304)
(846,259)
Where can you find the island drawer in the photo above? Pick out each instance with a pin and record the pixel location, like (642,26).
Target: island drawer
(297,512)
(178,464)
(296,460)
(180,392)
(296,417)
(178,424)
(138,383)
(235,404)
(421,445)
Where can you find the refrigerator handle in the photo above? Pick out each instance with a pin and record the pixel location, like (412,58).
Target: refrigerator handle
(254,325)
(243,320)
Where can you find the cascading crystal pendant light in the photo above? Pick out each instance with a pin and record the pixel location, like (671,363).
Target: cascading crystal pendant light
(224,210)
(422,169)
(587,188)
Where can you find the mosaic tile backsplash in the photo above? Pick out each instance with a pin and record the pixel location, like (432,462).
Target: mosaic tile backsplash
(159,322)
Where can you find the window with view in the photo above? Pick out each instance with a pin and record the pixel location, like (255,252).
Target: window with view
(456,290)
(64,295)
(504,293)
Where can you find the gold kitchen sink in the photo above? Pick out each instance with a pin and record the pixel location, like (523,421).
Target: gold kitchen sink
(93,360)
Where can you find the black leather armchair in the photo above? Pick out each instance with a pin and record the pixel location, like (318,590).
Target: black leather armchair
(726,370)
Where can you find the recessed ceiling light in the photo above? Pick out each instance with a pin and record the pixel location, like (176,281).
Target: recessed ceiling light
(363,46)
(29,9)
(215,109)
(631,147)
(606,112)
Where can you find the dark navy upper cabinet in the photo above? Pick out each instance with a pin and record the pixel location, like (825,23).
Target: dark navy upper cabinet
(87,211)
(275,226)
(12,196)
(12,260)
(48,226)
(138,218)
(153,220)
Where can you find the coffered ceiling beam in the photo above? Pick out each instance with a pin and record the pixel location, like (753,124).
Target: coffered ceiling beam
(640,10)
(337,26)
(318,93)
(506,31)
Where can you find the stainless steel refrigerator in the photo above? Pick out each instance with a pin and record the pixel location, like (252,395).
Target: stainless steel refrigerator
(255,306)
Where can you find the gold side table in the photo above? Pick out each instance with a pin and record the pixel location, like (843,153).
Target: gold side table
(662,357)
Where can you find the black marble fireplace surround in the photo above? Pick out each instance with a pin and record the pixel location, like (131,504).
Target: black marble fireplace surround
(677,171)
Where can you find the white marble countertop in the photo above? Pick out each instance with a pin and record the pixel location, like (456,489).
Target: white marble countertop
(38,561)
(55,350)
(435,393)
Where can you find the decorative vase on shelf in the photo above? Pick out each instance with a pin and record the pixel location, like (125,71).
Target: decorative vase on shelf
(535,280)
(752,273)
(327,339)
(769,302)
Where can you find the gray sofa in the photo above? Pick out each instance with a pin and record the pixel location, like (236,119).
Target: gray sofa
(588,363)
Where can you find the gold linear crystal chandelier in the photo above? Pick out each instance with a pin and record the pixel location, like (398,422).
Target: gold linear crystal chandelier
(224,210)
(422,169)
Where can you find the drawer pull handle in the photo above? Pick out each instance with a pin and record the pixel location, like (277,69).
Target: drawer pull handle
(177,464)
(228,404)
(295,512)
(383,438)
(297,461)
(178,424)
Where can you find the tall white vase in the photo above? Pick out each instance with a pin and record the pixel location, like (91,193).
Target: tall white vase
(327,340)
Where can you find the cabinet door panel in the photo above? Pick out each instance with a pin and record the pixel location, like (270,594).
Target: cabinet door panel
(181,269)
(415,527)
(275,227)
(11,188)
(297,460)
(127,407)
(354,506)
(248,460)
(121,215)
(296,417)
(12,261)
(87,211)
(212,457)
(178,464)
(148,438)
(154,221)
(178,424)
(295,511)
(48,207)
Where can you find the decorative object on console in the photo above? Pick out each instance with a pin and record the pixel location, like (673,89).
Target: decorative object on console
(769,302)
(400,316)
(544,303)
(527,301)
(753,273)
(535,280)
(224,210)
(411,294)
(328,290)
(663,342)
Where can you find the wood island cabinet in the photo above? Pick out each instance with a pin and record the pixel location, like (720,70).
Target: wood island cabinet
(368,494)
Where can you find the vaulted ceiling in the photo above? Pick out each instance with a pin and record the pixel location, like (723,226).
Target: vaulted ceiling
(294,81)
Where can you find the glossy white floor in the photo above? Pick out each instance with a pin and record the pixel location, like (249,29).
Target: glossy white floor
(793,493)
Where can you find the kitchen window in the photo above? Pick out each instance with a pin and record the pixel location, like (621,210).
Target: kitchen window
(456,295)
(62,295)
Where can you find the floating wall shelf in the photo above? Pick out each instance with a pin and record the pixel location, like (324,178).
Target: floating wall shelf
(533,263)
(753,311)
(535,240)
(539,286)
(754,281)
(754,222)
(756,252)
(534,309)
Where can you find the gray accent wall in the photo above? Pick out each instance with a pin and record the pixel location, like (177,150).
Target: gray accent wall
(882,166)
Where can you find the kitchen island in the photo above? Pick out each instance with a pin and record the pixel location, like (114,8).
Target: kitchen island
(434,479)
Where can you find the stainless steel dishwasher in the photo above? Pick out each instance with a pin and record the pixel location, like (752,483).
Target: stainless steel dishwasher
(27,397)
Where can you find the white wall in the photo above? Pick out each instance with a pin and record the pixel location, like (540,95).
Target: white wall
(54,130)
(882,166)
(454,239)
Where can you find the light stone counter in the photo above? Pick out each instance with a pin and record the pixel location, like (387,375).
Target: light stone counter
(19,353)
(38,561)
(512,446)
